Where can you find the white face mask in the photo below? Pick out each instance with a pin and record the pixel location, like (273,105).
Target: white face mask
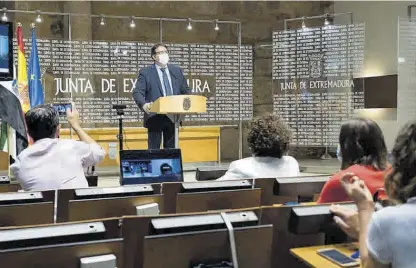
(163,59)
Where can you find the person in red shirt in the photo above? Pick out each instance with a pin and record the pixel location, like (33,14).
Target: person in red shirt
(364,153)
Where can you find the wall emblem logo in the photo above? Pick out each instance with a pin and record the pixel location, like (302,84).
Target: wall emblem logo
(315,65)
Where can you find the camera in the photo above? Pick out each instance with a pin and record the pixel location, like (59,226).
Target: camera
(62,107)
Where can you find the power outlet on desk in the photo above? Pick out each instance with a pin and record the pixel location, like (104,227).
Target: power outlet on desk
(4,180)
(151,209)
(103,261)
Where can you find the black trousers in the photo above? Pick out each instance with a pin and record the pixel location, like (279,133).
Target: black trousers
(156,126)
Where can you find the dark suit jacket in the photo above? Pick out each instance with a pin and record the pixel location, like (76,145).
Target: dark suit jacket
(149,89)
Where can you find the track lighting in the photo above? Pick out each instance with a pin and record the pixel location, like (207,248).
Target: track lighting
(4,18)
(132,23)
(216,26)
(326,23)
(102,22)
(38,18)
(189,27)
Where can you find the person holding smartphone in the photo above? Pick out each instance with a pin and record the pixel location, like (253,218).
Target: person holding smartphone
(51,163)
(387,236)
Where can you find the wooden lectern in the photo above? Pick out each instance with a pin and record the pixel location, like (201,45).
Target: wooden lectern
(177,106)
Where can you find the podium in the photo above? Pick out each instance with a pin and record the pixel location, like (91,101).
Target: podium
(177,106)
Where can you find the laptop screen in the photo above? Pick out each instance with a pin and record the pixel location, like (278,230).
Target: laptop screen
(150,166)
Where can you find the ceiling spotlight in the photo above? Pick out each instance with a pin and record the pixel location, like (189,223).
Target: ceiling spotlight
(4,18)
(303,24)
(216,26)
(326,23)
(132,23)
(189,27)
(38,18)
(102,22)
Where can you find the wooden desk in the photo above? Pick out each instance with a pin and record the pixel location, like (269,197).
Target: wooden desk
(308,204)
(4,161)
(300,204)
(208,201)
(205,138)
(309,255)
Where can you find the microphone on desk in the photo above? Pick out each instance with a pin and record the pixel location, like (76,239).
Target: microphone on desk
(91,177)
(92,170)
(119,106)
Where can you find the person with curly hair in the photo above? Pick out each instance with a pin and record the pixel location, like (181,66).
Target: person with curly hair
(269,139)
(363,151)
(386,237)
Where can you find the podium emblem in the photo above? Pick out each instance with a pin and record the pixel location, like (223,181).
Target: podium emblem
(186,103)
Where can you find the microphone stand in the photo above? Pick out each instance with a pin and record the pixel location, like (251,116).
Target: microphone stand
(120,114)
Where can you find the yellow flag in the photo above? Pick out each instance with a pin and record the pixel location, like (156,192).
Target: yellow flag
(22,71)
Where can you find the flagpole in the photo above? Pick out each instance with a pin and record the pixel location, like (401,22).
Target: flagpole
(8,151)
(70,65)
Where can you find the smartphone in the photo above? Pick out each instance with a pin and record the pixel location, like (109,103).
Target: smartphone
(380,195)
(338,258)
(61,107)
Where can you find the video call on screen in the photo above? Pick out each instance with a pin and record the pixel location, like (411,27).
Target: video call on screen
(152,170)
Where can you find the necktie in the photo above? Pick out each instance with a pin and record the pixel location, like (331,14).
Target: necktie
(168,89)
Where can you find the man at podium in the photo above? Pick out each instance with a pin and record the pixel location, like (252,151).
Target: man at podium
(159,80)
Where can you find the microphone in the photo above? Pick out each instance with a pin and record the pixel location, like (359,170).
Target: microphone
(119,106)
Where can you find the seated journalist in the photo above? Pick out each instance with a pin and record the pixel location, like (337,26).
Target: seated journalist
(386,237)
(51,163)
(268,139)
(363,152)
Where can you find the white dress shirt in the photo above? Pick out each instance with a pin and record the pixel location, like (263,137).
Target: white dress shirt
(262,167)
(160,73)
(51,164)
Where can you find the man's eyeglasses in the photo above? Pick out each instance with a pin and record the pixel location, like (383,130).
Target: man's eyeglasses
(161,52)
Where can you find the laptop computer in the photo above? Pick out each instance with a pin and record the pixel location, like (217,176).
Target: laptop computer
(150,166)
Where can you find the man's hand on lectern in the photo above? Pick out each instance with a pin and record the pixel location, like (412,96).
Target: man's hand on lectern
(147,107)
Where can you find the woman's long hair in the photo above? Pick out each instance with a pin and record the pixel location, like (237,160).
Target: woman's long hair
(362,142)
(400,183)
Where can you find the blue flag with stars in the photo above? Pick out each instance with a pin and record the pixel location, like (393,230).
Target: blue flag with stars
(36,95)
